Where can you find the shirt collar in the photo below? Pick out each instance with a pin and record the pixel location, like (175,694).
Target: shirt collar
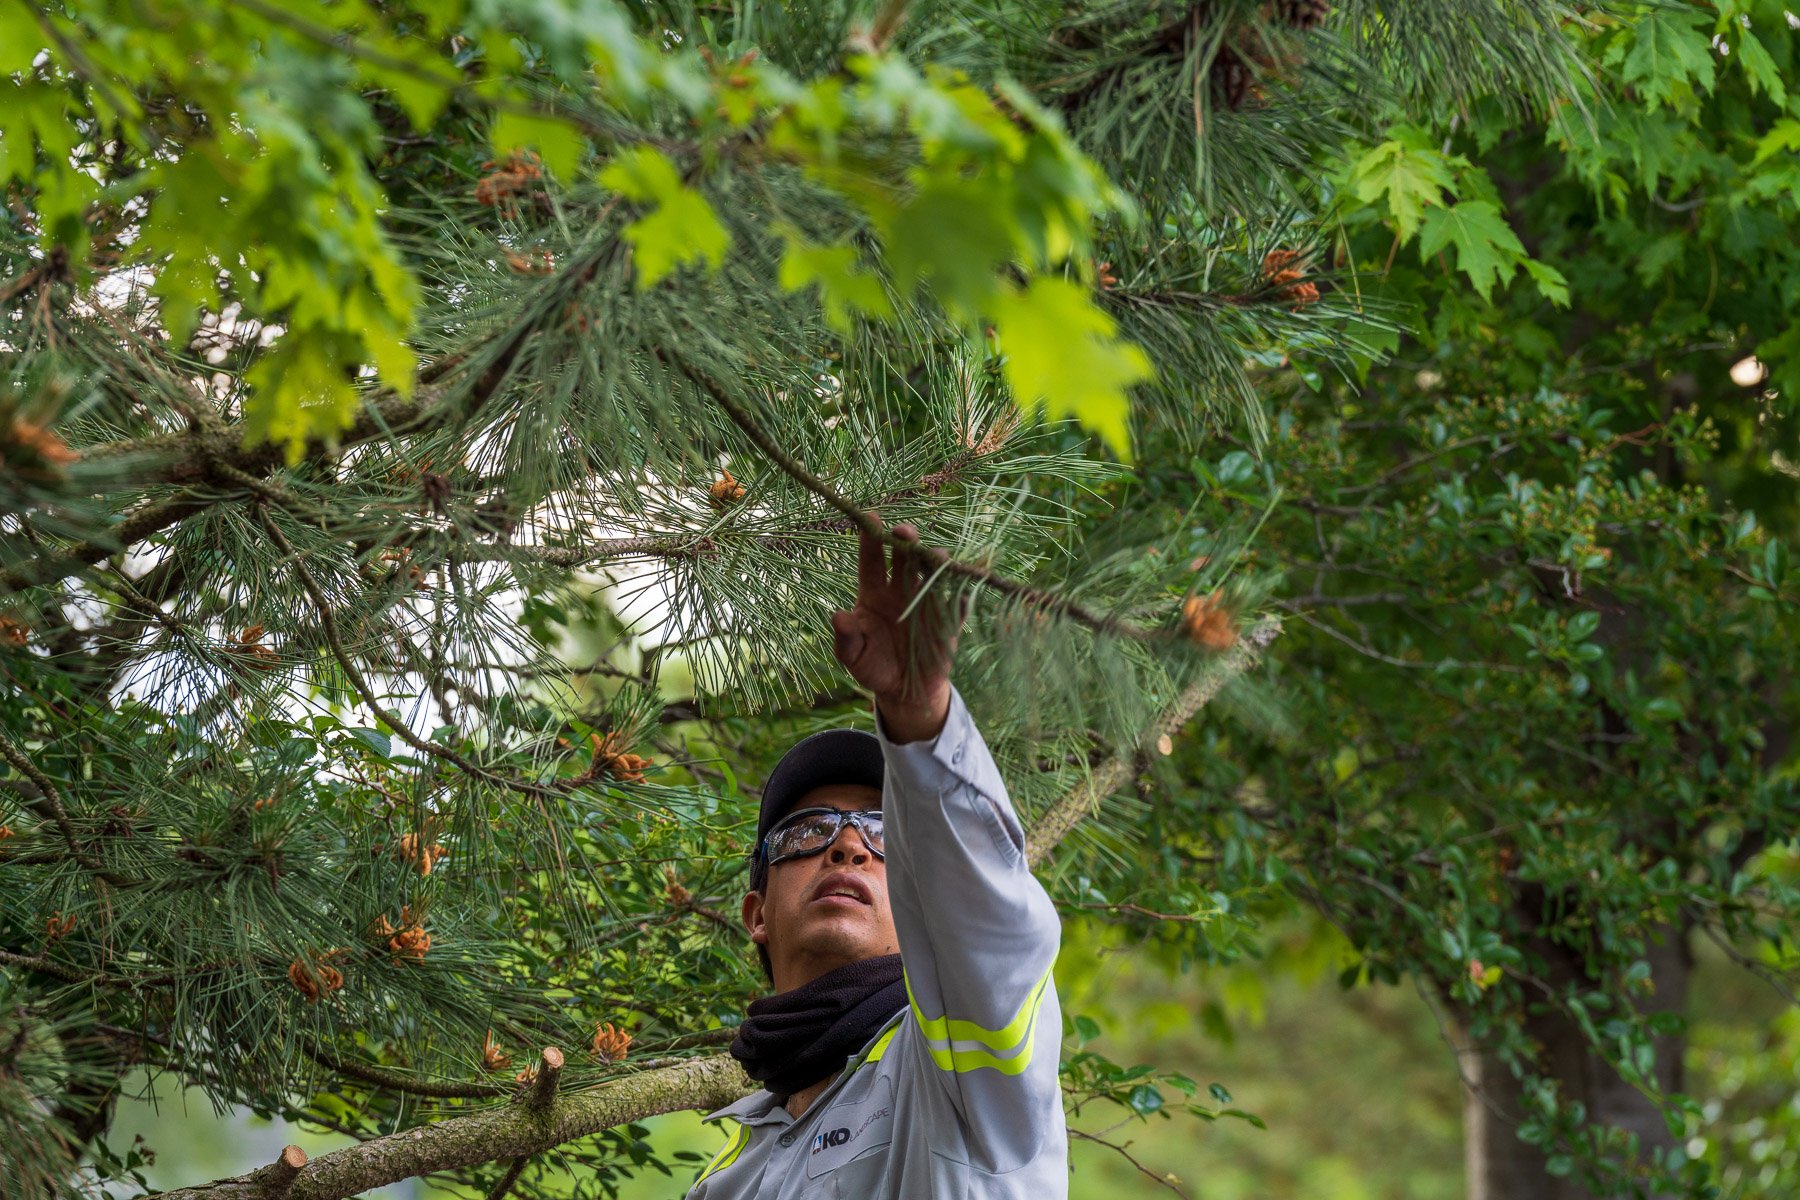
(758,1108)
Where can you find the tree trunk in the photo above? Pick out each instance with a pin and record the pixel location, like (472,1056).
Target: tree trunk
(1501,1167)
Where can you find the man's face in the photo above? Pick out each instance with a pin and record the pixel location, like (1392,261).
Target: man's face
(801,917)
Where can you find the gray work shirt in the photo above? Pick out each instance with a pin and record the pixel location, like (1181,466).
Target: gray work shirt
(957,1095)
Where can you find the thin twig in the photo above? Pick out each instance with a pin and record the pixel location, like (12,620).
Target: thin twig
(507,1180)
(358,681)
(1167,1181)
(395,1081)
(49,799)
(936,559)
(29,963)
(1066,813)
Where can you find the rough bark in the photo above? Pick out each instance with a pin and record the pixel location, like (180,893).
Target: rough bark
(1501,1167)
(516,1130)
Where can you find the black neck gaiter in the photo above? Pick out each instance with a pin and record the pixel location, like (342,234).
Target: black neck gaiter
(792,1040)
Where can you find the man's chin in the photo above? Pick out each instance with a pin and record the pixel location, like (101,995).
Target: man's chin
(846,937)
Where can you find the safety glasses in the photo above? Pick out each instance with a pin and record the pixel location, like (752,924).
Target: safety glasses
(810,830)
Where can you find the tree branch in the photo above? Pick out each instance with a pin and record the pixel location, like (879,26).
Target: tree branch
(395,1081)
(511,1131)
(1060,818)
(48,802)
(207,455)
(937,559)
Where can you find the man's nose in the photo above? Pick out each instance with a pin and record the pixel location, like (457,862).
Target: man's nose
(845,850)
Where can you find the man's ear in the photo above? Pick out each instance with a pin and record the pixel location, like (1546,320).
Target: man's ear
(753,918)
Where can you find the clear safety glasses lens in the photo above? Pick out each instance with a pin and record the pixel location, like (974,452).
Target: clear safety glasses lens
(811,830)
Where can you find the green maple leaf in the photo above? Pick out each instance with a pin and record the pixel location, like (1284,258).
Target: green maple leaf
(1760,69)
(1486,248)
(557,143)
(1064,352)
(682,228)
(1783,135)
(1412,177)
(844,287)
(953,233)
(1669,55)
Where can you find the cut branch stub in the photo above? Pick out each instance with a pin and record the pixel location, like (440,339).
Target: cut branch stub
(549,1076)
(282,1172)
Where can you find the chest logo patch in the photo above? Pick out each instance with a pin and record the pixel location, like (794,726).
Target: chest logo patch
(851,1128)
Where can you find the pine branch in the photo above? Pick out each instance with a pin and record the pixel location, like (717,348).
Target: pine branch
(1062,817)
(512,1131)
(395,1081)
(935,558)
(360,683)
(48,802)
(210,453)
(541,1119)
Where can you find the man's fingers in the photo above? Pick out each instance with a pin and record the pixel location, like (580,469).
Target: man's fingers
(906,560)
(847,639)
(871,561)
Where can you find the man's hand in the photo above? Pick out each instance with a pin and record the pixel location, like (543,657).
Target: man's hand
(905,662)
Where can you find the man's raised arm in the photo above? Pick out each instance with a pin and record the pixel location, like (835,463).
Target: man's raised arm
(978,934)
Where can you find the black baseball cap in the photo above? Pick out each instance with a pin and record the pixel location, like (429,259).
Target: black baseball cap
(834,756)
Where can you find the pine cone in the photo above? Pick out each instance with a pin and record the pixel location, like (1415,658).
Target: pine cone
(611,1044)
(414,848)
(1209,623)
(610,759)
(516,177)
(37,446)
(412,942)
(1285,270)
(302,979)
(725,490)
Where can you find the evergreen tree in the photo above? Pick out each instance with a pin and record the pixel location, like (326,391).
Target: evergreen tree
(363,362)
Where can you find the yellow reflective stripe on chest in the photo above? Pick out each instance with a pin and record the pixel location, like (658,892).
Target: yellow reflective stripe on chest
(965,1046)
(740,1138)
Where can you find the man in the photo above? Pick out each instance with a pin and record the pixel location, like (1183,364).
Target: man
(911,1047)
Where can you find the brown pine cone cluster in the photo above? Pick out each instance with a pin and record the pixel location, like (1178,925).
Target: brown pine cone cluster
(506,183)
(725,490)
(419,850)
(1209,622)
(611,1044)
(1285,270)
(35,450)
(611,759)
(247,645)
(407,940)
(315,980)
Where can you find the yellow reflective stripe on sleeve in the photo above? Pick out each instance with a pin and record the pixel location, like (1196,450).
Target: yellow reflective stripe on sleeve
(740,1138)
(880,1047)
(965,1046)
